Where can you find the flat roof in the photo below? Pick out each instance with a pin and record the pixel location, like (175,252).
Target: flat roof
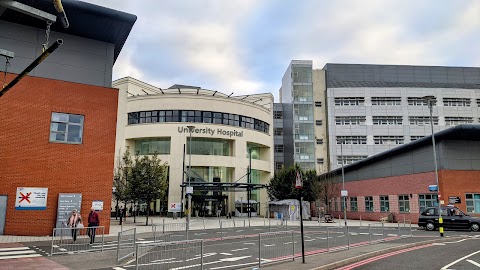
(461,132)
(86,20)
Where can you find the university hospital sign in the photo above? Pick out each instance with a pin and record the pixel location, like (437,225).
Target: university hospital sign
(211,131)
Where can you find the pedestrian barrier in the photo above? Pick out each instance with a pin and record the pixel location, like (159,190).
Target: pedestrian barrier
(169,255)
(276,246)
(76,240)
(227,229)
(405,228)
(278,225)
(338,238)
(376,232)
(167,232)
(126,244)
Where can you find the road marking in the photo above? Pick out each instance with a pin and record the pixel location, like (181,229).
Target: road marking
(118,268)
(474,263)
(240,230)
(271,245)
(227,254)
(20,256)
(235,265)
(439,244)
(238,249)
(463,258)
(309,240)
(14,248)
(249,243)
(201,233)
(258,229)
(141,239)
(18,252)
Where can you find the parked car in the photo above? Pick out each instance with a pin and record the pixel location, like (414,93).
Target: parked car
(453,218)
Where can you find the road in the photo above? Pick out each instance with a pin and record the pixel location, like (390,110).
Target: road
(461,254)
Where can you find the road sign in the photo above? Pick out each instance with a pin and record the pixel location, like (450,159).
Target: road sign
(189,190)
(298,180)
(31,198)
(344,193)
(433,188)
(174,207)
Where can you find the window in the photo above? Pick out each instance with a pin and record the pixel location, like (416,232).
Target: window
(349,101)
(414,138)
(384,204)
(427,200)
(388,140)
(452,121)
(386,101)
(422,120)
(403,204)
(349,159)
(478,102)
(278,166)
(349,120)
(278,131)
(318,122)
(368,204)
(387,120)
(319,141)
(456,102)
(419,101)
(66,128)
(279,148)
(210,147)
(351,139)
(277,114)
(473,202)
(319,160)
(160,146)
(318,104)
(353,204)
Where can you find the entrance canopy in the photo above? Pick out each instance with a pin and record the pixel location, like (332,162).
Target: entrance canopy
(223,187)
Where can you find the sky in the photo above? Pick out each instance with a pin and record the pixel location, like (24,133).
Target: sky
(245,46)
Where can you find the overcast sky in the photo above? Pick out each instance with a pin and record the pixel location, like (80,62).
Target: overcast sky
(245,46)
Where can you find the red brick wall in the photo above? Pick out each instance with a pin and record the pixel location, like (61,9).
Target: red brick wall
(28,159)
(457,183)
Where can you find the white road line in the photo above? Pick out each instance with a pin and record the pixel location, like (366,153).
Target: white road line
(463,258)
(474,263)
(230,266)
(227,254)
(13,248)
(17,252)
(20,256)
(309,240)
(238,249)
(118,268)
(141,239)
(438,244)
(201,233)
(269,245)
(249,243)
(258,229)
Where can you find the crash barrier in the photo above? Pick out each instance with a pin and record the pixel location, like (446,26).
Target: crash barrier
(169,255)
(167,232)
(230,228)
(276,246)
(126,244)
(76,240)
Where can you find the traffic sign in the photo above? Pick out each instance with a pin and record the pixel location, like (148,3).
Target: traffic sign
(189,190)
(344,193)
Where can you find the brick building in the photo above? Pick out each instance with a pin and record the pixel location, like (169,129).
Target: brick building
(58,125)
(397,181)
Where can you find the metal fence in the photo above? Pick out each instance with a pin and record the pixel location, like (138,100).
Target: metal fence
(167,232)
(76,240)
(276,246)
(170,255)
(126,244)
(338,238)
(405,228)
(376,232)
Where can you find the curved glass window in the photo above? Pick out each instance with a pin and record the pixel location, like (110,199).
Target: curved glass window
(190,116)
(160,146)
(213,147)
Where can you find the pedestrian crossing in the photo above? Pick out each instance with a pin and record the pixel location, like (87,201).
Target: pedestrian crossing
(17,253)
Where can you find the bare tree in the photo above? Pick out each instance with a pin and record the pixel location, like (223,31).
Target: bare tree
(328,187)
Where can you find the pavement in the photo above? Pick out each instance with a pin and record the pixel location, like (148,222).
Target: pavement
(107,259)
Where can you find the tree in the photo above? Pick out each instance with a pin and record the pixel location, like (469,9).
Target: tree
(282,185)
(121,175)
(148,180)
(328,188)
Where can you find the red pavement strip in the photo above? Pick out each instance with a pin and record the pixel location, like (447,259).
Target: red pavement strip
(376,258)
(37,263)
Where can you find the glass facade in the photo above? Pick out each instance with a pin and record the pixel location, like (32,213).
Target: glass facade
(256,151)
(159,146)
(210,147)
(212,174)
(161,116)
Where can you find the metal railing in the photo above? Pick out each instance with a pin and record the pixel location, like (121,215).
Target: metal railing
(169,255)
(126,244)
(167,232)
(76,240)
(405,228)
(276,246)
(376,232)
(338,238)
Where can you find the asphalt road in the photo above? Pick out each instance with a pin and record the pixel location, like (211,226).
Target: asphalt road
(461,254)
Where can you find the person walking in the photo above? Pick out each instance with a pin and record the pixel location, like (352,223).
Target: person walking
(219,210)
(73,222)
(93,221)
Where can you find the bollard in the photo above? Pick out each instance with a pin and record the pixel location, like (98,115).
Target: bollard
(163,230)
(360,220)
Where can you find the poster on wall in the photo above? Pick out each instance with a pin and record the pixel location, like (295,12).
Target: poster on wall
(66,203)
(31,198)
(97,205)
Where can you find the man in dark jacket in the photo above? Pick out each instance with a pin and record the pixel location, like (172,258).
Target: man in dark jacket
(93,221)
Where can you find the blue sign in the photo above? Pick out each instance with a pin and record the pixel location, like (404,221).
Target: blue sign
(433,187)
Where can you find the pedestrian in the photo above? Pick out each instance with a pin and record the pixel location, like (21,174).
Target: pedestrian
(93,222)
(74,222)
(219,210)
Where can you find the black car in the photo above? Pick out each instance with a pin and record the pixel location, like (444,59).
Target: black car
(453,218)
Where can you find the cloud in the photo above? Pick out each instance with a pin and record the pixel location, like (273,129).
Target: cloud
(245,46)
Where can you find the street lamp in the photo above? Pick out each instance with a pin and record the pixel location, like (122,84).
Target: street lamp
(189,189)
(430,100)
(344,196)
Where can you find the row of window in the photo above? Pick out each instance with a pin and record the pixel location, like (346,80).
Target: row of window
(398,120)
(377,139)
(229,119)
(345,160)
(397,101)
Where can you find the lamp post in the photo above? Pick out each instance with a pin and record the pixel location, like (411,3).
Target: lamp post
(344,196)
(189,190)
(430,100)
